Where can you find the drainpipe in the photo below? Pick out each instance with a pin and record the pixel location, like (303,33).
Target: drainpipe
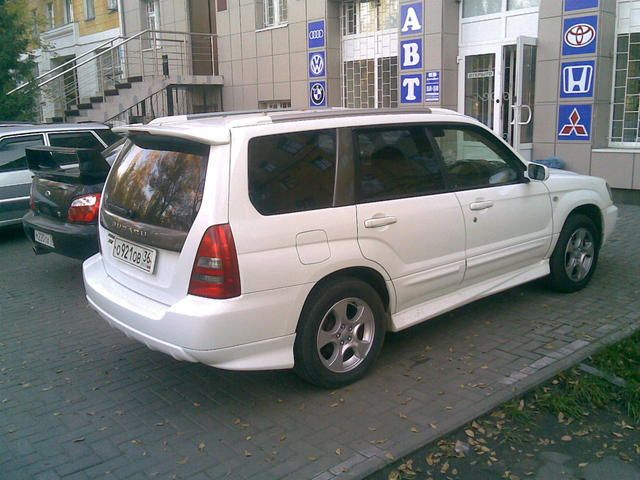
(121,17)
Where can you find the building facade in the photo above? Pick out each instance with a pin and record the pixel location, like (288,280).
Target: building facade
(555,78)
(68,30)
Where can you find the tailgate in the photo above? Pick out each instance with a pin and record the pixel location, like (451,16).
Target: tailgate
(150,202)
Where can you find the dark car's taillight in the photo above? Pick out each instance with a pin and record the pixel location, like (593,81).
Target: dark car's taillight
(84,208)
(215,271)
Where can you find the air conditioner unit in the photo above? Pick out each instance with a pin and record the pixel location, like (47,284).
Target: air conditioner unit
(112,5)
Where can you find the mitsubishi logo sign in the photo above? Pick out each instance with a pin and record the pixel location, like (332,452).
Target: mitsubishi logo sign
(574,122)
(577,79)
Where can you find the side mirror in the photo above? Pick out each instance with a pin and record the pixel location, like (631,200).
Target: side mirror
(535,171)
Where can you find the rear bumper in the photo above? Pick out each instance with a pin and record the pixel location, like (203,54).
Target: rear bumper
(69,239)
(250,332)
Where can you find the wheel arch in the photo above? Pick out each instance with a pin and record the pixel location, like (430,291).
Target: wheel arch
(366,274)
(593,212)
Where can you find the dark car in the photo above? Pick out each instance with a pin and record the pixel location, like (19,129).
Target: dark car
(16,137)
(65,202)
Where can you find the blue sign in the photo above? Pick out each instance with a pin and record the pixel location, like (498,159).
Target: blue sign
(411,18)
(570,5)
(411,54)
(432,87)
(577,79)
(411,88)
(316,34)
(317,64)
(318,94)
(574,122)
(580,35)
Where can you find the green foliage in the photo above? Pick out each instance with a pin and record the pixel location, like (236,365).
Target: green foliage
(17,40)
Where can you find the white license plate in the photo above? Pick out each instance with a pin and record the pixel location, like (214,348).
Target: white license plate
(134,255)
(43,238)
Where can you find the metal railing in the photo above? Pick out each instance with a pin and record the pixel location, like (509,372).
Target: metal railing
(101,72)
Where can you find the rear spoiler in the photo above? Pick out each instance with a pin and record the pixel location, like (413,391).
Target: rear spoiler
(48,160)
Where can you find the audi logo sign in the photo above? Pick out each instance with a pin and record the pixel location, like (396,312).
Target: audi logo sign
(580,35)
(315,34)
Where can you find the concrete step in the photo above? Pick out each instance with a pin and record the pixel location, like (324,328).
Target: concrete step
(135,79)
(96,99)
(85,106)
(123,86)
(111,93)
(72,113)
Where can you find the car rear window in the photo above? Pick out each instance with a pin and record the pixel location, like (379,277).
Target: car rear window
(108,136)
(292,172)
(158,181)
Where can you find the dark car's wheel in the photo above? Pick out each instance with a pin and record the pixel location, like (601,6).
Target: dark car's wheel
(575,257)
(340,333)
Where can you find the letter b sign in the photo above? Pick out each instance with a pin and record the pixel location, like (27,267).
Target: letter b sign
(411,54)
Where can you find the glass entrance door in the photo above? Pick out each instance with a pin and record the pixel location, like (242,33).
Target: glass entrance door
(479,87)
(499,85)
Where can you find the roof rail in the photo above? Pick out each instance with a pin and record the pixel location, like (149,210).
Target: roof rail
(287,116)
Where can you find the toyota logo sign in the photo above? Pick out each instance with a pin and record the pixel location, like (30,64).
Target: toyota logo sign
(580,35)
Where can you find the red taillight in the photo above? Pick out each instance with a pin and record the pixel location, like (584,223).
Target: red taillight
(84,209)
(215,272)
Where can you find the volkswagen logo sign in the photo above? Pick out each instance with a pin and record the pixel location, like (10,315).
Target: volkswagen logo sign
(316,34)
(580,35)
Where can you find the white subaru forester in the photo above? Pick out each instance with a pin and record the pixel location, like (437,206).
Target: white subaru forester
(298,238)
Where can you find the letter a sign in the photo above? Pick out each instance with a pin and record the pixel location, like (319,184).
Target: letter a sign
(411,19)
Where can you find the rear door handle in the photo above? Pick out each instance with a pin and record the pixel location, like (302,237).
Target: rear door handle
(481,205)
(377,222)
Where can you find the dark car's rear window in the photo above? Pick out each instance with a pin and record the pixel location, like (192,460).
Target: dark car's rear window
(158,181)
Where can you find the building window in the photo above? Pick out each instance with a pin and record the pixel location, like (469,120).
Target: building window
(275,105)
(368,16)
(518,4)
(89,9)
(51,16)
(112,5)
(222,5)
(476,8)
(68,11)
(275,12)
(626,93)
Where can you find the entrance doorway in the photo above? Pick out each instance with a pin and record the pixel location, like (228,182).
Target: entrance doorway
(497,89)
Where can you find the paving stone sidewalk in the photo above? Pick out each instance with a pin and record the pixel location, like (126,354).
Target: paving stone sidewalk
(80,400)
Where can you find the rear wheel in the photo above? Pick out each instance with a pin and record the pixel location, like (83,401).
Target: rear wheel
(575,257)
(340,334)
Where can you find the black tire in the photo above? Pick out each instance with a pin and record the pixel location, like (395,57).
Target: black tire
(563,277)
(320,310)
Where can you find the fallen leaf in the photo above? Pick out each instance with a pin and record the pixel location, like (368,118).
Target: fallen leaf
(312,459)
(470,433)
(247,453)
(566,438)
(372,429)
(402,415)
(184,461)
(283,438)
(248,437)
(583,464)
(394,475)
(78,440)
(414,429)
(196,404)
(338,451)
(389,456)
(201,447)
(617,435)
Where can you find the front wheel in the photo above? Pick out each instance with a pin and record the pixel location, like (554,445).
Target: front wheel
(340,334)
(575,257)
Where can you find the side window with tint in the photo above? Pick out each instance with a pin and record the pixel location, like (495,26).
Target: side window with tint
(12,152)
(396,162)
(75,140)
(292,172)
(473,160)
